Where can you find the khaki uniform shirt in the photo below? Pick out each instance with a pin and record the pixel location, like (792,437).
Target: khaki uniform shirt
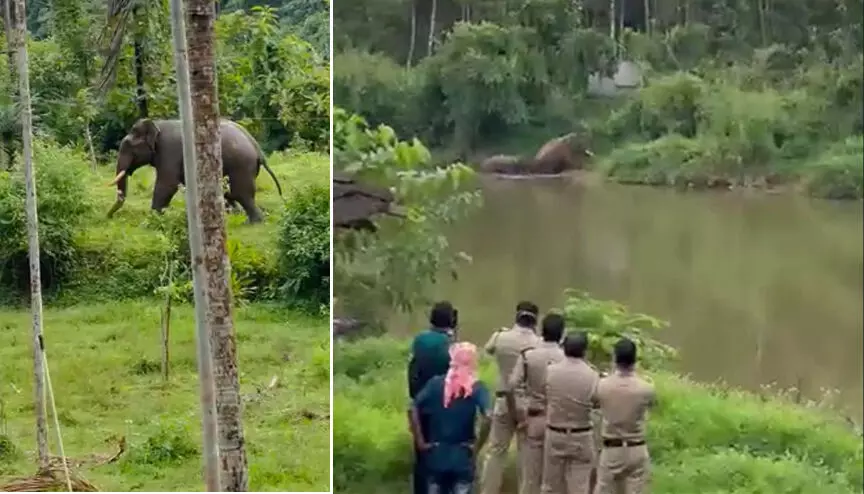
(506,345)
(528,379)
(624,400)
(571,385)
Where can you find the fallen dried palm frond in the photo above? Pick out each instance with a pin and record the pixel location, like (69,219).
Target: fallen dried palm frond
(51,479)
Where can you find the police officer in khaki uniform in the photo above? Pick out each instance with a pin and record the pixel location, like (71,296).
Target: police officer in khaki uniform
(624,398)
(529,383)
(569,451)
(505,346)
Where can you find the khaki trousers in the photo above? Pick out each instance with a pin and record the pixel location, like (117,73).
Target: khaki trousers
(500,437)
(531,469)
(568,459)
(623,470)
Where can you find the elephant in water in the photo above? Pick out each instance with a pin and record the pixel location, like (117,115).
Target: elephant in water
(556,156)
(159,143)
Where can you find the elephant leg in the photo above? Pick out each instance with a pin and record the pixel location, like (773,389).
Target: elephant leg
(230,202)
(243,191)
(163,192)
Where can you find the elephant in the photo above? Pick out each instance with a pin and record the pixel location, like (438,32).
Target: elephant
(159,143)
(556,156)
(561,154)
(504,164)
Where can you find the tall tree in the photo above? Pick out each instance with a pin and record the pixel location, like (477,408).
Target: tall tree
(201,17)
(19,40)
(202,333)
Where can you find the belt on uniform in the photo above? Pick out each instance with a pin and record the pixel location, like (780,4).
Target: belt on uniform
(568,430)
(617,443)
(534,412)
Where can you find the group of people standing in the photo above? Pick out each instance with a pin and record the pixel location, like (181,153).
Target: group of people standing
(577,430)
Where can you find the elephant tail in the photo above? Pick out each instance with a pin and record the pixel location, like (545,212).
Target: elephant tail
(263,163)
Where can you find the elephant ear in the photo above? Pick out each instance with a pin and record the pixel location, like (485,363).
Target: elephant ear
(148,130)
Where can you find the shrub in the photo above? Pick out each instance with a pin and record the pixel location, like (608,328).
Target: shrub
(62,203)
(304,246)
(838,173)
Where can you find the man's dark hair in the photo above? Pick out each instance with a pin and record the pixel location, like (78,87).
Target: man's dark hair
(625,353)
(441,315)
(526,314)
(575,344)
(553,327)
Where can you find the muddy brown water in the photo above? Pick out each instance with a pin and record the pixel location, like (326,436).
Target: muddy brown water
(758,288)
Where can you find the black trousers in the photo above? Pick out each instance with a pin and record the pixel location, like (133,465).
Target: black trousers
(421,470)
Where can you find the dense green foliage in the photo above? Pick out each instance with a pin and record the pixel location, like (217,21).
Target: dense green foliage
(734,93)
(395,267)
(270,79)
(706,439)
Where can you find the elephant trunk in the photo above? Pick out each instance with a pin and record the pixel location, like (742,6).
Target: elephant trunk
(120,180)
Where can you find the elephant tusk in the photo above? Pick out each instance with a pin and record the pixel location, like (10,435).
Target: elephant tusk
(117,178)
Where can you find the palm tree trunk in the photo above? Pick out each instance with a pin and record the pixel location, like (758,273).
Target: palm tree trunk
(201,17)
(413,41)
(432,15)
(138,46)
(20,41)
(207,392)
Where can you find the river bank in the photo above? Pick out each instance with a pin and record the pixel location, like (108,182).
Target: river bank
(703,438)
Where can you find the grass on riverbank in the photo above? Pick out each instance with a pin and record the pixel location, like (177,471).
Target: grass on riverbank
(703,439)
(106,377)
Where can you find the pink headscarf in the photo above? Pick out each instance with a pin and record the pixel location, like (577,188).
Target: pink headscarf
(460,379)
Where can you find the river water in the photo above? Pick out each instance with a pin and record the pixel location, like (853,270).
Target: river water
(758,288)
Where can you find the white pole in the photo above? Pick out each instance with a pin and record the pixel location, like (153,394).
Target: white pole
(205,361)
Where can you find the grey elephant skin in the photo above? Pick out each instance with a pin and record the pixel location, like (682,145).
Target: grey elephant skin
(159,143)
(556,156)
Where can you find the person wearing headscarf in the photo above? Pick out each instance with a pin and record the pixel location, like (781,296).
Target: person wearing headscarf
(452,404)
(430,357)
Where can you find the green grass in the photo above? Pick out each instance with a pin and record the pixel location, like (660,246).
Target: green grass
(703,439)
(104,364)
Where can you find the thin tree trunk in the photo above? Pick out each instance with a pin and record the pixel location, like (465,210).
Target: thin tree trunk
(89,138)
(613,19)
(205,356)
(432,15)
(413,42)
(20,40)
(8,22)
(648,17)
(138,47)
(762,27)
(202,71)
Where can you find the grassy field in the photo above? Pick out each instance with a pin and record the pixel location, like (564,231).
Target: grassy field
(703,439)
(105,371)
(102,327)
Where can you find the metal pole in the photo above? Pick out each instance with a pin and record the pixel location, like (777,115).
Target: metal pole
(205,360)
(20,40)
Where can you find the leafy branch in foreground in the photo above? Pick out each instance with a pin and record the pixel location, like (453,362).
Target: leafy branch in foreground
(606,321)
(396,266)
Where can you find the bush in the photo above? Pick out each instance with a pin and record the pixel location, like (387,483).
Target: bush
(62,204)
(304,245)
(839,172)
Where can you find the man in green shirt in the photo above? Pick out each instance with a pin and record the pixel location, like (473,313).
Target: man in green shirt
(430,357)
